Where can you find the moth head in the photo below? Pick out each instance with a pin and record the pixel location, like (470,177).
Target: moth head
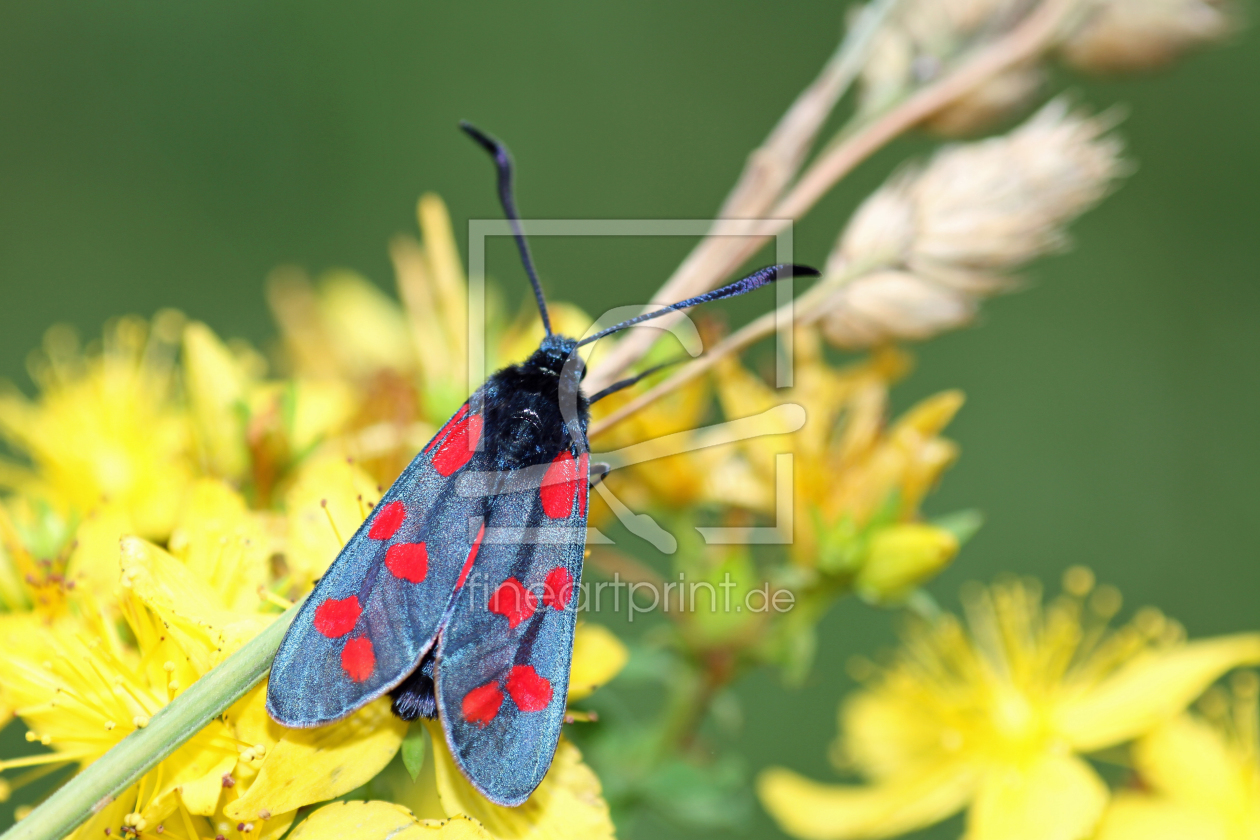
(558,354)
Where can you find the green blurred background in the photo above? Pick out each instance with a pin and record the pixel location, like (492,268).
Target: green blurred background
(156,154)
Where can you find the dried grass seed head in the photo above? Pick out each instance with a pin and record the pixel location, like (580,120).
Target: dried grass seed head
(924,37)
(935,240)
(1135,35)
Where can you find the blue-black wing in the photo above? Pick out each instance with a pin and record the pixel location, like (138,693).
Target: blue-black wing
(503,658)
(379,608)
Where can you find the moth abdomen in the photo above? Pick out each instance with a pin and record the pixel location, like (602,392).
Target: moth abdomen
(414,697)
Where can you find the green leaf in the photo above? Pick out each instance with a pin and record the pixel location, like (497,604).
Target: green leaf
(712,796)
(963,524)
(413,751)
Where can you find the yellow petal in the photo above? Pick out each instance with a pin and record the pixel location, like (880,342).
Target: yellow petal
(568,805)
(325,507)
(296,309)
(815,811)
(930,417)
(901,557)
(275,828)
(1150,690)
(367,328)
(320,408)
(449,286)
(216,388)
(416,291)
(381,821)
(1139,817)
(598,656)
(1057,797)
(311,765)
(271,828)
(1188,761)
(248,716)
(201,795)
(94,561)
(885,735)
(172,591)
(222,544)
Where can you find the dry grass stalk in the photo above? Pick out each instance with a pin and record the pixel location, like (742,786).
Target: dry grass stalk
(922,251)
(770,168)
(1035,33)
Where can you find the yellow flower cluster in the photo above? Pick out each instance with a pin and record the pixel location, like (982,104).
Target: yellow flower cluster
(998,715)
(403,368)
(850,481)
(176,499)
(118,654)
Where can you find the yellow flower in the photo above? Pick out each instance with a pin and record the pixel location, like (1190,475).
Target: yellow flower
(303,766)
(408,363)
(995,715)
(382,819)
(901,557)
(81,686)
(227,547)
(250,430)
(670,483)
(598,656)
(1200,774)
(209,604)
(35,541)
(850,467)
(326,503)
(106,426)
(218,384)
(568,804)
(136,814)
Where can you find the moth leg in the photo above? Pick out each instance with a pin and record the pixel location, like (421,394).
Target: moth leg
(627,382)
(597,473)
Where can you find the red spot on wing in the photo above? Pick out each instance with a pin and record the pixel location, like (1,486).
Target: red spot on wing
(530,692)
(358,659)
(409,561)
(513,601)
(472,555)
(337,618)
(559,486)
(584,476)
(459,415)
(388,519)
(459,445)
(482,703)
(558,588)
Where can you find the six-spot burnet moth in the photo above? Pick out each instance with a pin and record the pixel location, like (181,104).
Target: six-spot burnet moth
(457,594)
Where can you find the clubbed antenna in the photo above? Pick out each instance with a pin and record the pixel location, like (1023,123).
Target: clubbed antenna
(756,280)
(503,161)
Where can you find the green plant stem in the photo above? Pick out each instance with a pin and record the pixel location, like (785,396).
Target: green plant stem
(103,780)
